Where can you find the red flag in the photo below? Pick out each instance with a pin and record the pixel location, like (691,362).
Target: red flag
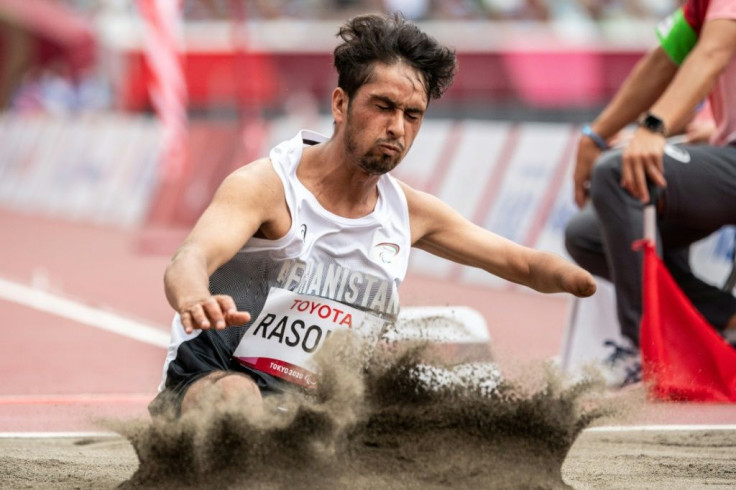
(682,355)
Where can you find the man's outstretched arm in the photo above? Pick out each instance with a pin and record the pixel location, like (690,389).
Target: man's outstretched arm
(440,230)
(244,201)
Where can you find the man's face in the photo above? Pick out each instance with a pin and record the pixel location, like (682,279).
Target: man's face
(384,116)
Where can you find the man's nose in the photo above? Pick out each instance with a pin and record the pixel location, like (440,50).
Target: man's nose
(396,125)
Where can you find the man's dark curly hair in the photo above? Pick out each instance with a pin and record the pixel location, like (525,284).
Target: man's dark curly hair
(388,39)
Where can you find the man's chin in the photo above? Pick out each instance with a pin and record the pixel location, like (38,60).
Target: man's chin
(379,168)
(377,171)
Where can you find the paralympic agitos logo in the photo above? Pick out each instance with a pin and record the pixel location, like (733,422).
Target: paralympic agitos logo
(386,251)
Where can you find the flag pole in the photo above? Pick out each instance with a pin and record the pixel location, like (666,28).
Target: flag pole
(650,341)
(650,223)
(163,52)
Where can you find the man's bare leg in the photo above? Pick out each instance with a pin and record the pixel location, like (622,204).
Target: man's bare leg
(222,387)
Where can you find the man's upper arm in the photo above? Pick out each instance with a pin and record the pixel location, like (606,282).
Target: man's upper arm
(438,229)
(245,200)
(690,26)
(718,39)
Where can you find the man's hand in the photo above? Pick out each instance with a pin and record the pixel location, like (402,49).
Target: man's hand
(699,131)
(587,154)
(218,311)
(641,159)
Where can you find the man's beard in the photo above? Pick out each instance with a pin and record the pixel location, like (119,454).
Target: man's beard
(375,161)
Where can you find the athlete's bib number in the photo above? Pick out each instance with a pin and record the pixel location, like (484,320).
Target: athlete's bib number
(290,330)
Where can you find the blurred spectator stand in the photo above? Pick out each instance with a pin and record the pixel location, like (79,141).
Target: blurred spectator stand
(215,80)
(37,32)
(500,64)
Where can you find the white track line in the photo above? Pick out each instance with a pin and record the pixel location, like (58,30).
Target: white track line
(78,312)
(55,435)
(76,398)
(659,428)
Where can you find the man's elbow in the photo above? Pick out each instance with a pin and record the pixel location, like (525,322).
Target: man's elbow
(186,255)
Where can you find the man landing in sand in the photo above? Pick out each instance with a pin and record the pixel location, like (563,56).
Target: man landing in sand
(316,237)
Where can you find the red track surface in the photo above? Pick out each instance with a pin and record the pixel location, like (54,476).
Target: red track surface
(59,375)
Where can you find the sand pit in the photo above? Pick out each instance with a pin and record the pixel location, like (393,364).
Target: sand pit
(627,460)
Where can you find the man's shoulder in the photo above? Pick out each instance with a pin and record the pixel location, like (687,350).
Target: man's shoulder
(260,168)
(697,12)
(418,201)
(258,175)
(720,9)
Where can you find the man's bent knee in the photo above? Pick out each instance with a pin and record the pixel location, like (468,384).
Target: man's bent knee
(221,387)
(236,385)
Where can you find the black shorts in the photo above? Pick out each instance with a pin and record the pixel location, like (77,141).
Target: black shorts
(204,354)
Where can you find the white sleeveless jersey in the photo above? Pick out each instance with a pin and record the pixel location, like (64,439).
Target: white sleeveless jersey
(323,262)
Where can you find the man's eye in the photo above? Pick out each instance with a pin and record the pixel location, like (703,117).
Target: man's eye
(383,107)
(412,116)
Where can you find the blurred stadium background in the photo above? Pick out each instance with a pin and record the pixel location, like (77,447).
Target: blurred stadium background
(100,179)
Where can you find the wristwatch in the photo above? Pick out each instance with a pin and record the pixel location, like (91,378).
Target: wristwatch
(652,123)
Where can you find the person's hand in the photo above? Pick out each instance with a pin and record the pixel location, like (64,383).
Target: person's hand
(218,311)
(579,282)
(699,131)
(621,138)
(586,156)
(641,159)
